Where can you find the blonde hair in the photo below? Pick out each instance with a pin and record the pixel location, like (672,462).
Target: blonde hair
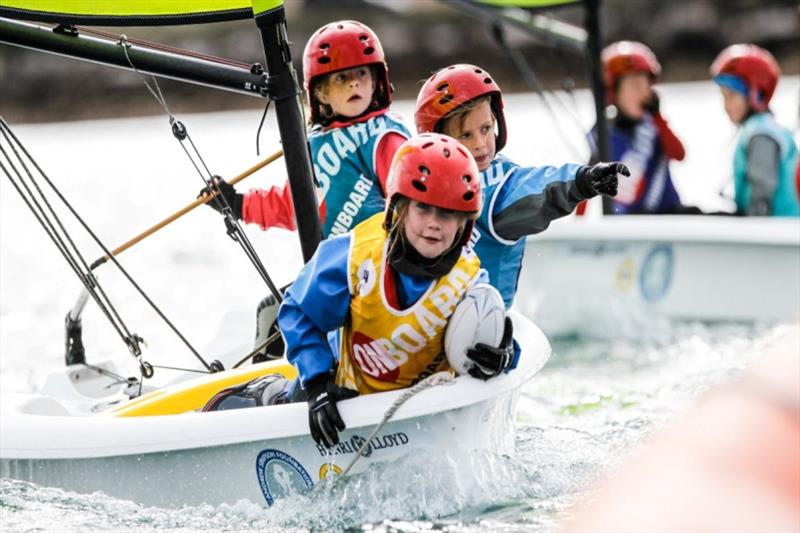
(460,113)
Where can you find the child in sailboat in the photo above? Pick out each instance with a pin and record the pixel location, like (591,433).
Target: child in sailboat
(391,283)
(353,137)
(639,136)
(463,101)
(766,154)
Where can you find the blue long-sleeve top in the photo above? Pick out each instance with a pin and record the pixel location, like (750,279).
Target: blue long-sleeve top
(519,201)
(318,302)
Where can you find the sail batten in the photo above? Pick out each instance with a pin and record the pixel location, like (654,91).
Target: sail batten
(133,12)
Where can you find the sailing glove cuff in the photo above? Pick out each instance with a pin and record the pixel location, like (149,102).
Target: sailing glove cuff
(324,419)
(490,360)
(227,197)
(601,178)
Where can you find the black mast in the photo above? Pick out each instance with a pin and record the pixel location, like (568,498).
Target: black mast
(285,92)
(594,44)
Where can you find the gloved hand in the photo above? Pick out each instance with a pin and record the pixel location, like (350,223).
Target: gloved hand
(653,106)
(323,415)
(226,190)
(489,360)
(600,178)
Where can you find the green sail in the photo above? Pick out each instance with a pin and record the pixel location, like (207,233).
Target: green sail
(135,12)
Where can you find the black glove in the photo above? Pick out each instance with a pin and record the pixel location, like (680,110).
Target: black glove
(323,416)
(226,191)
(653,106)
(600,178)
(489,360)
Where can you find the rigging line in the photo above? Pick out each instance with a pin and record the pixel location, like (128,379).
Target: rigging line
(533,81)
(110,256)
(167,48)
(237,234)
(258,349)
(568,84)
(181,369)
(88,284)
(196,151)
(180,132)
(261,125)
(125,44)
(68,254)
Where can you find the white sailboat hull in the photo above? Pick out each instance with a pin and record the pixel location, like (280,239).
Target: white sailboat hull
(591,275)
(258,454)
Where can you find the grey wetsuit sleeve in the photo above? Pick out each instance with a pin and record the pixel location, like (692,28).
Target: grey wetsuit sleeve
(763,161)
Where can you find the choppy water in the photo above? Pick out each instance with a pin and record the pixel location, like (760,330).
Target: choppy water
(597,398)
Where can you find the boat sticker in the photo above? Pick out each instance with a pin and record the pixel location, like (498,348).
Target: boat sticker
(280,475)
(329,469)
(378,442)
(625,275)
(656,274)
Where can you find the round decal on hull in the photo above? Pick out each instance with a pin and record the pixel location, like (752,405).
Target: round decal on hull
(280,475)
(655,276)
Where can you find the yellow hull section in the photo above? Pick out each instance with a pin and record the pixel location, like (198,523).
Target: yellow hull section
(193,394)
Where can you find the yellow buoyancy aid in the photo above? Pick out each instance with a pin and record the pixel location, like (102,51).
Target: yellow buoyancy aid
(383,347)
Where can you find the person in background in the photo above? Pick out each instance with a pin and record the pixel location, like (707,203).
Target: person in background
(353,138)
(463,101)
(392,284)
(639,136)
(766,154)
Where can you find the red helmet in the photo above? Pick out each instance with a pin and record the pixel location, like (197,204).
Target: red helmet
(755,66)
(437,170)
(344,45)
(625,57)
(454,86)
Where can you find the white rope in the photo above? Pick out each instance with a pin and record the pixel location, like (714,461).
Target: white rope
(439,378)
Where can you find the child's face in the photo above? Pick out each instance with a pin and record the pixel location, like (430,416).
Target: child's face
(476,132)
(634,94)
(735,105)
(431,230)
(348,92)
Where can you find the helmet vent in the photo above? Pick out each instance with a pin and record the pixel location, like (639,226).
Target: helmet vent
(324,60)
(467,178)
(325,46)
(443,87)
(468,196)
(462,151)
(368,50)
(427,145)
(446,152)
(478,71)
(341,27)
(363,37)
(417,184)
(487,80)
(425,171)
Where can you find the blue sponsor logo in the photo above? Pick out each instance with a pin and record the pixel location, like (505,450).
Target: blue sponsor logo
(655,276)
(280,475)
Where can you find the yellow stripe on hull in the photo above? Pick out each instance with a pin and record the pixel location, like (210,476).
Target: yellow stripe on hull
(194,394)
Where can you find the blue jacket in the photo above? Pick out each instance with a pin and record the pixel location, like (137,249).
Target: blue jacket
(638,145)
(518,201)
